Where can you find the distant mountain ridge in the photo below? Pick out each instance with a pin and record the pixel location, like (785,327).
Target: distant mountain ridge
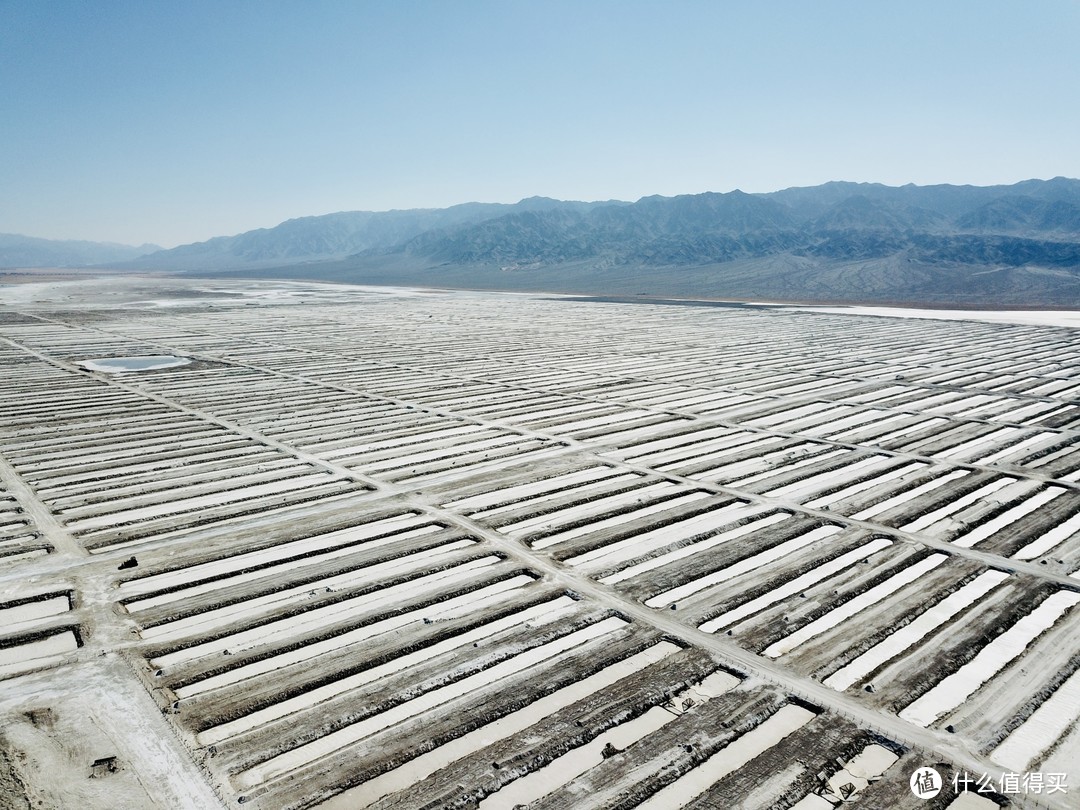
(837,220)
(29,251)
(978,245)
(994,246)
(943,224)
(334,236)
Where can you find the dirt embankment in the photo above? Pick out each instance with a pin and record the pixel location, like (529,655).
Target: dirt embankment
(12,790)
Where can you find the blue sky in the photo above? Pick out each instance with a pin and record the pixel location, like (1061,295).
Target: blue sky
(174,122)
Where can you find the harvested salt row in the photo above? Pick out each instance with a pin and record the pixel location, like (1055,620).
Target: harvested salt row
(967,404)
(879,394)
(31,611)
(1062,758)
(23,656)
(648,452)
(1018,447)
(789,414)
(813,484)
(908,495)
(694,548)
(168,529)
(531,451)
(663,536)
(855,605)
(537,616)
(869,483)
(44,467)
(908,636)
(991,659)
(617,520)
(860,418)
(1049,540)
(319,616)
(318,542)
(755,467)
(1043,729)
(561,410)
(693,456)
(620,437)
(389,444)
(614,418)
(784,468)
(571,514)
(471,602)
(196,503)
(739,752)
(514,494)
(148,486)
(1019,415)
(691,445)
(845,435)
(933,517)
(396,461)
(426,764)
(214,460)
(904,431)
(542,491)
(804,424)
(564,769)
(328,744)
(800,583)
(275,570)
(1007,518)
(667,598)
(133,446)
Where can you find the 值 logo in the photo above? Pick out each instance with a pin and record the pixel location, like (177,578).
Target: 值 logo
(925,783)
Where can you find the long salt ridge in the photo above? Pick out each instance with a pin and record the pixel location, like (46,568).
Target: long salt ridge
(308,752)
(990,660)
(423,766)
(855,605)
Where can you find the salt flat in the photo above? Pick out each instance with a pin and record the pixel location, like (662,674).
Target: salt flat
(414,548)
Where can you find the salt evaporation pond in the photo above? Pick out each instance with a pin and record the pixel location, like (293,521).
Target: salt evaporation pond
(117,365)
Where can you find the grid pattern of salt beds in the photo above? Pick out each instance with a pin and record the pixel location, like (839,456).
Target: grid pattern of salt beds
(38,629)
(403,629)
(18,536)
(120,469)
(884,506)
(37,632)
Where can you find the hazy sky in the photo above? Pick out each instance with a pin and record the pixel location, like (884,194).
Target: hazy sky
(171,122)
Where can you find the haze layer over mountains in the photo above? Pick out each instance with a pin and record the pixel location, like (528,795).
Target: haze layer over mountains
(1015,245)
(29,251)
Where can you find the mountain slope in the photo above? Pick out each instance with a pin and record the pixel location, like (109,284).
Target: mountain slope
(29,251)
(708,228)
(995,245)
(654,230)
(1020,214)
(336,235)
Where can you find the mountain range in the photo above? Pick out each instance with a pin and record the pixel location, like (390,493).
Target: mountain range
(1015,245)
(28,251)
